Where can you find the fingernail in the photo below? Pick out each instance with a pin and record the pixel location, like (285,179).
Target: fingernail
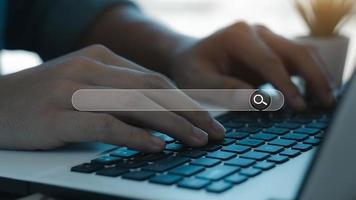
(200,136)
(218,128)
(158,144)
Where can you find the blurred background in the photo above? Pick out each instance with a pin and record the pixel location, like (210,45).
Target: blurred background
(200,18)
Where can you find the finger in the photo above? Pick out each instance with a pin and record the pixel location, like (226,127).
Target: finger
(118,77)
(162,120)
(169,123)
(215,130)
(261,59)
(304,61)
(277,75)
(181,104)
(128,106)
(206,122)
(308,68)
(93,127)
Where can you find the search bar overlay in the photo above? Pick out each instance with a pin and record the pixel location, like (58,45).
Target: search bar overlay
(111,100)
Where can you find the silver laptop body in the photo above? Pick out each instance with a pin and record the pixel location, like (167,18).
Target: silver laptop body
(332,175)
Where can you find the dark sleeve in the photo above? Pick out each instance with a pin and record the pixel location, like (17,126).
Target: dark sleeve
(51,27)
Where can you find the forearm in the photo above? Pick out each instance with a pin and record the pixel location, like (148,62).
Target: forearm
(128,32)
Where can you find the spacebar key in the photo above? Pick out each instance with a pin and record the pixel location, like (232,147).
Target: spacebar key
(164,165)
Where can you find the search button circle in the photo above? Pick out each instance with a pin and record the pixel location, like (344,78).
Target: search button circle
(260,100)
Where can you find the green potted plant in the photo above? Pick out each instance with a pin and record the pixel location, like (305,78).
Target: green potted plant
(324,19)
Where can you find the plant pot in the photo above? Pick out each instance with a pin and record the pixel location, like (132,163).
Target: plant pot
(333,51)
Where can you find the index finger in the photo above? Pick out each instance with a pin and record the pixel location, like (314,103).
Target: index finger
(305,62)
(198,116)
(263,61)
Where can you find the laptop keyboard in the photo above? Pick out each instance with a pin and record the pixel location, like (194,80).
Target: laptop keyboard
(254,143)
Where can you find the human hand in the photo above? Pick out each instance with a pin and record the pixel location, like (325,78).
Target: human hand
(243,56)
(37,113)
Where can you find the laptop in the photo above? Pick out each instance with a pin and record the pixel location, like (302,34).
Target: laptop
(277,155)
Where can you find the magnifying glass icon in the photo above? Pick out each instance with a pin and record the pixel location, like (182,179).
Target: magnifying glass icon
(258,99)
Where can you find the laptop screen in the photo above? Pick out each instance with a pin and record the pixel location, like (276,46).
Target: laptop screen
(333,172)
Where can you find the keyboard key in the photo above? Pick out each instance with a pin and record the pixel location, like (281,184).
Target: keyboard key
(250,142)
(112,171)
(174,147)
(279,119)
(164,137)
(218,172)
(278,159)
(244,120)
(206,162)
(187,170)
(312,141)
(124,153)
(210,147)
(155,156)
(138,175)
(106,160)
(233,125)
(167,164)
(295,136)
(290,153)
(283,142)
(288,125)
(193,183)
(192,153)
(136,163)
(228,129)
(269,148)
(277,131)
(317,125)
(236,178)
(264,165)
(301,120)
(255,155)
(242,162)
(307,131)
(319,136)
(251,172)
(302,147)
(219,187)
(87,168)
(260,124)
(249,129)
(224,118)
(222,155)
(165,179)
(324,120)
(236,148)
(228,141)
(236,135)
(264,136)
